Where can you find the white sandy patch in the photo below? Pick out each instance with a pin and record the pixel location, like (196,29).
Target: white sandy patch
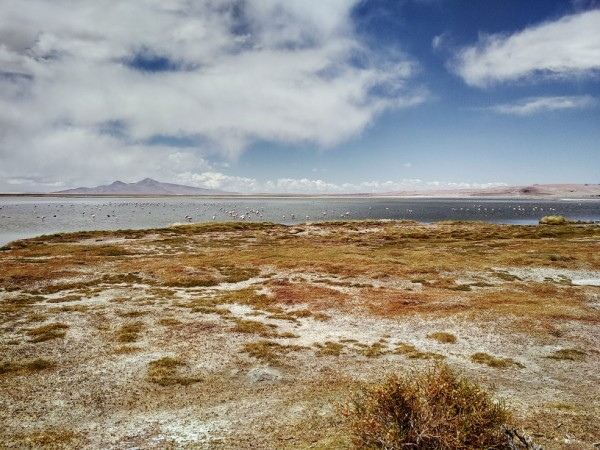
(586,282)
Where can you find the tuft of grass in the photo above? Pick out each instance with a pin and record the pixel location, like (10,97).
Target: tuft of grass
(505,276)
(129,332)
(329,349)
(111,251)
(65,299)
(134,313)
(321,316)
(434,409)
(412,352)
(48,332)
(8,367)
(164,372)
(36,365)
(37,317)
(39,364)
(125,350)
(493,361)
(169,321)
(254,327)
(247,296)
(561,406)
(120,299)
(443,338)
(71,308)
(269,351)
(374,350)
(51,439)
(568,354)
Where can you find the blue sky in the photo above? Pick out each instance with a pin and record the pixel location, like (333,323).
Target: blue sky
(298,95)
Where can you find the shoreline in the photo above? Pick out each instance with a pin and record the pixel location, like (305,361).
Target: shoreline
(498,197)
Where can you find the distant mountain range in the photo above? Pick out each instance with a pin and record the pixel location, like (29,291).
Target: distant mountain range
(535,190)
(146,186)
(149,186)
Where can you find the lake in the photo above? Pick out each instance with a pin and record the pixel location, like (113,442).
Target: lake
(22,217)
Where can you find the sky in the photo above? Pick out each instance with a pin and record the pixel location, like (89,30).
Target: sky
(299,96)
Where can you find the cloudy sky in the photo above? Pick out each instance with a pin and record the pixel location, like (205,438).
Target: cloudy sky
(299,95)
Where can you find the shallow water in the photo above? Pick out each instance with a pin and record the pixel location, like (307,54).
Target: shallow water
(22,217)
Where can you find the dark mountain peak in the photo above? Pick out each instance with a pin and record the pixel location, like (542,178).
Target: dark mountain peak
(147,186)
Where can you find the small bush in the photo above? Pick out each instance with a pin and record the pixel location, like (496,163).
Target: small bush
(435,409)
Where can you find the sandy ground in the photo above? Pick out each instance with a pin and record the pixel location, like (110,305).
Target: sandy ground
(99,393)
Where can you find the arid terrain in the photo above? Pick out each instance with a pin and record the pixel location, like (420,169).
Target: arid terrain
(254,335)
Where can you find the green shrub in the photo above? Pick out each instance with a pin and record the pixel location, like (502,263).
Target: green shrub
(434,409)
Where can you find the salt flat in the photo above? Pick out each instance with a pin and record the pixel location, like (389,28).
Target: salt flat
(244,335)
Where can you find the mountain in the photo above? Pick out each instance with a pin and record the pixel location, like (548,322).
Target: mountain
(146,186)
(535,190)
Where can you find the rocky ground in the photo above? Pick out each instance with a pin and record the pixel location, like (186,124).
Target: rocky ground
(254,335)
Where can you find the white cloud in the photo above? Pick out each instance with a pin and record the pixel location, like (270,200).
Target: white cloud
(223,74)
(217,180)
(566,48)
(535,105)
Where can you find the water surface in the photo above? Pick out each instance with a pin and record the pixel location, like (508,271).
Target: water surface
(22,217)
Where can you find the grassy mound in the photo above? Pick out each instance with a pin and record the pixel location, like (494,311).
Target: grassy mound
(434,409)
(553,220)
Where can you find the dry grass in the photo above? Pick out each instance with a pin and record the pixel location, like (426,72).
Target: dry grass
(493,361)
(269,351)
(36,365)
(568,354)
(435,409)
(125,350)
(48,439)
(329,349)
(374,350)
(411,352)
(48,332)
(254,327)
(443,338)
(169,321)
(129,332)
(317,297)
(164,372)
